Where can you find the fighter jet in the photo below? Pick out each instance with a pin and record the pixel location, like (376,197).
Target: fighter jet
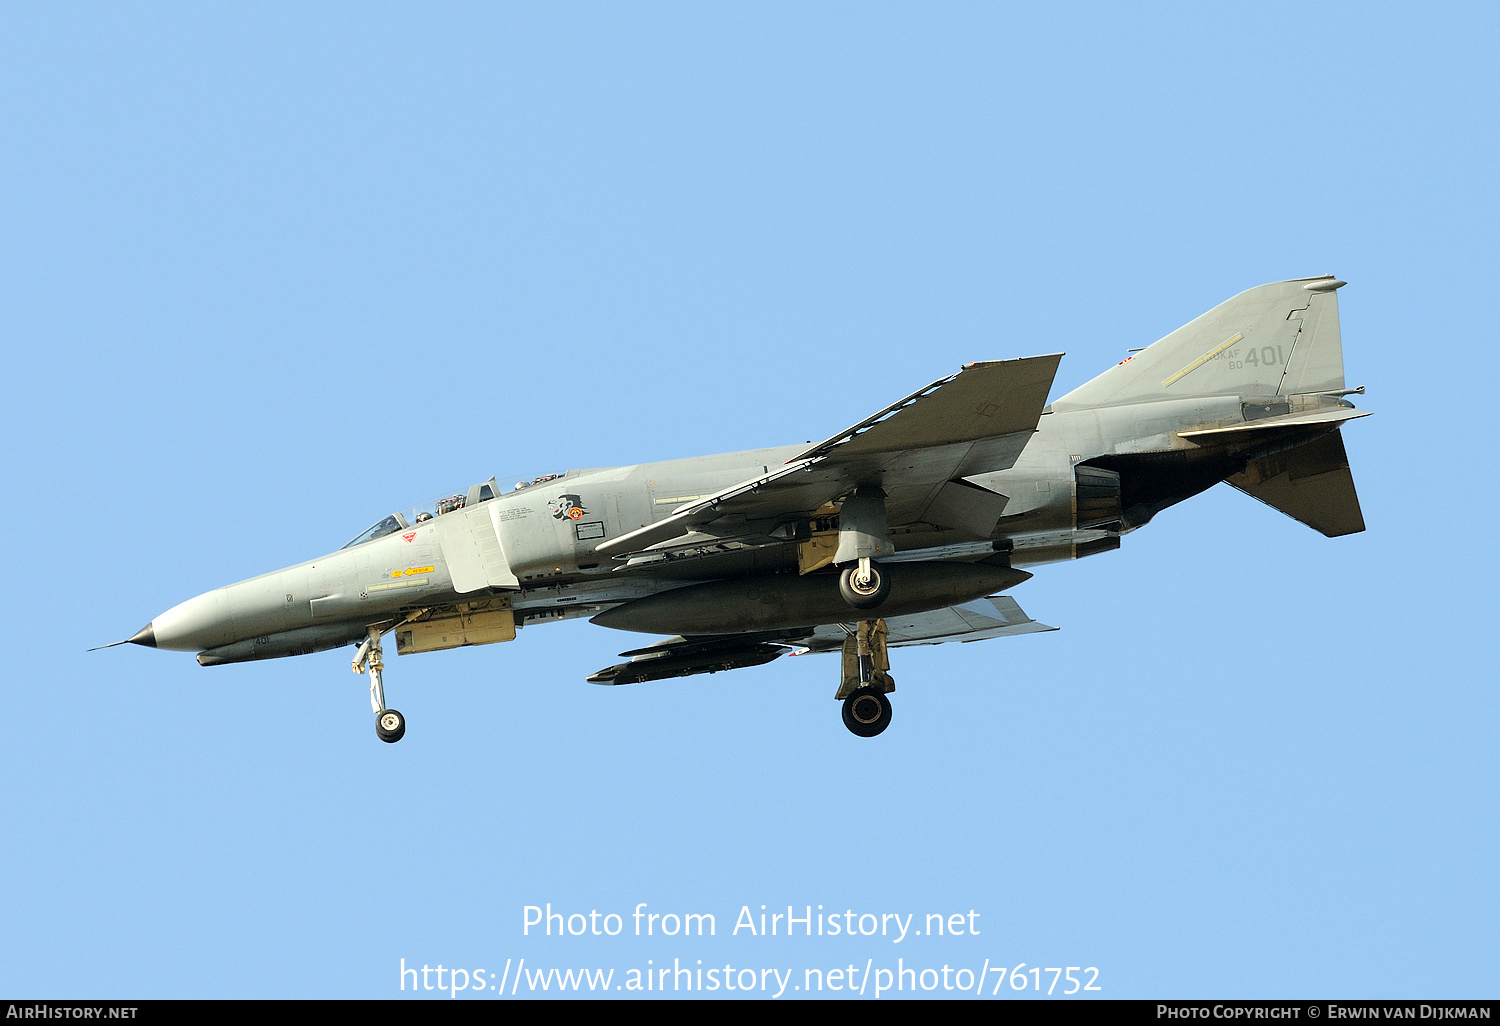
(901,530)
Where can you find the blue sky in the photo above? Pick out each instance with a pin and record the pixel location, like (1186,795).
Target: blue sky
(268,274)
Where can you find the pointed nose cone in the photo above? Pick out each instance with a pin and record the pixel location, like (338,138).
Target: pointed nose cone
(191,626)
(145,636)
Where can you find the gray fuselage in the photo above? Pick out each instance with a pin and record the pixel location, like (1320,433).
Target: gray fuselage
(1084,478)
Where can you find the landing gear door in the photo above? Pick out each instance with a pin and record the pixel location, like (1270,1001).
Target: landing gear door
(470,542)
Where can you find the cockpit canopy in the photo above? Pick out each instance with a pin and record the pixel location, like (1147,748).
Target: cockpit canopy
(425,511)
(390,525)
(422,512)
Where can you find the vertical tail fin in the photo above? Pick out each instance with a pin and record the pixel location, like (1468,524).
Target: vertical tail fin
(1277,339)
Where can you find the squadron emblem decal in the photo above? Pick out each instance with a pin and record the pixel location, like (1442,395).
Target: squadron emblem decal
(568,507)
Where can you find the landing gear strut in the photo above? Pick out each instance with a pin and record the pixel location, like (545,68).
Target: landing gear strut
(866,679)
(390,725)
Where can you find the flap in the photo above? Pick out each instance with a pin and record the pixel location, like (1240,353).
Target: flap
(966,507)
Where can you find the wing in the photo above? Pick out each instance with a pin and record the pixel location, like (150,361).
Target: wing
(982,400)
(917,450)
(999,616)
(996,617)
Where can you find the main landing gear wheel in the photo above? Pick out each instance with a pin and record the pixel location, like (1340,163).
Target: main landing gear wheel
(864,587)
(390,726)
(867,712)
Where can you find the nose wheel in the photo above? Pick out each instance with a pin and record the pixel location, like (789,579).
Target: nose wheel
(390,725)
(866,679)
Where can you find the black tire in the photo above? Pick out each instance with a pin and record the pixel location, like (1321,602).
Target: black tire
(869,596)
(867,712)
(390,726)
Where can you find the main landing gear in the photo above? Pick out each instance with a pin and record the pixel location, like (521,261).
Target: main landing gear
(864,586)
(390,725)
(866,679)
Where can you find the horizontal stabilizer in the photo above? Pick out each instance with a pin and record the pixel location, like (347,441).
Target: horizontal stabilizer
(1310,483)
(1316,418)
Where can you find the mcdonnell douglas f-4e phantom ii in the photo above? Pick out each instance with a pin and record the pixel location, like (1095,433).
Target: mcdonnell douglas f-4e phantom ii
(901,530)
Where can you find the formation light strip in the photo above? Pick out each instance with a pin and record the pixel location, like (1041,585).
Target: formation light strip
(1215,351)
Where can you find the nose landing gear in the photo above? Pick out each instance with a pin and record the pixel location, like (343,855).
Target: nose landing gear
(866,679)
(390,725)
